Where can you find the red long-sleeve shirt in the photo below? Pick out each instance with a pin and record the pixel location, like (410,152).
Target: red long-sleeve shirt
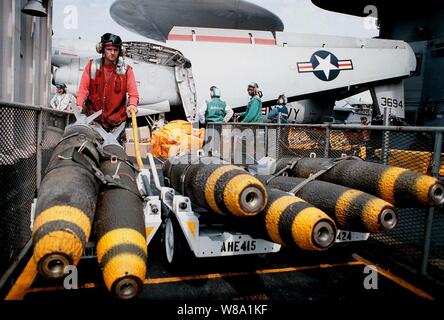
(83,92)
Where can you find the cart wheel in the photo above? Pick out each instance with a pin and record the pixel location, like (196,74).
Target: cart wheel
(176,245)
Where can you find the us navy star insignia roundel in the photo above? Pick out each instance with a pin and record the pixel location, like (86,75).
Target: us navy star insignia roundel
(325,65)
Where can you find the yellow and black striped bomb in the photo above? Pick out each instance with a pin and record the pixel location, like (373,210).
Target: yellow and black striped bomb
(292,222)
(119,229)
(351,209)
(66,203)
(401,187)
(225,189)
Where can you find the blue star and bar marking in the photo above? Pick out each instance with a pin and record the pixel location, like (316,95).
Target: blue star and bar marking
(325,65)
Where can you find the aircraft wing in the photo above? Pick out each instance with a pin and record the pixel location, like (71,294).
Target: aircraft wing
(362,8)
(154,19)
(347,7)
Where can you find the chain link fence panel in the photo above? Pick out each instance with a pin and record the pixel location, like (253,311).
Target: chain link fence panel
(436,258)
(18,168)
(29,135)
(405,243)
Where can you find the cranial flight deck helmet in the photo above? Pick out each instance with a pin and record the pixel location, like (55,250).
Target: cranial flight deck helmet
(214,92)
(109,38)
(255,87)
(61,85)
(284,99)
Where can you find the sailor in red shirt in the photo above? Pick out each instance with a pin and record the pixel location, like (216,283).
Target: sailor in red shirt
(108,84)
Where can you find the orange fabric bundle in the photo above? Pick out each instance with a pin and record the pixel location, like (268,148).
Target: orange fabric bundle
(177,136)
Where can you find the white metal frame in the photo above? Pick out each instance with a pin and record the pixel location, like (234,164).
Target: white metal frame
(211,241)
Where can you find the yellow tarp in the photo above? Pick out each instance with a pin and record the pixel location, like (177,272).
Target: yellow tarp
(420,161)
(177,136)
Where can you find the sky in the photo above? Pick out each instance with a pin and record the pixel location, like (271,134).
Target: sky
(89,19)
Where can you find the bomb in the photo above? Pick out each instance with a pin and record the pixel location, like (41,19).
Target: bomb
(351,209)
(119,226)
(292,222)
(67,201)
(224,189)
(401,187)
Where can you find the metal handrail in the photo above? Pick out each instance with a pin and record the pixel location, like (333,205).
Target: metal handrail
(333,126)
(18,105)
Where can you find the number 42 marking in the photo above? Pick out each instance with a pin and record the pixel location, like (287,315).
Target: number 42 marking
(344,236)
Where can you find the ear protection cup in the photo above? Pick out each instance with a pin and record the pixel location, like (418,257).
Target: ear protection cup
(99,47)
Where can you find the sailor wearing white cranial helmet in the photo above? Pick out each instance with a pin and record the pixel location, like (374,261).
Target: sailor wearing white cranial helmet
(215,110)
(279,112)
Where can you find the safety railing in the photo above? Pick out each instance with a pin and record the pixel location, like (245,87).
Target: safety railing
(417,243)
(28,136)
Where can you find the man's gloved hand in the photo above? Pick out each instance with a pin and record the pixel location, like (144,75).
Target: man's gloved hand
(130,108)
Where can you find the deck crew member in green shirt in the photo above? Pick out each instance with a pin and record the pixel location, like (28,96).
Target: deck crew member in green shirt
(216,109)
(245,146)
(253,113)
